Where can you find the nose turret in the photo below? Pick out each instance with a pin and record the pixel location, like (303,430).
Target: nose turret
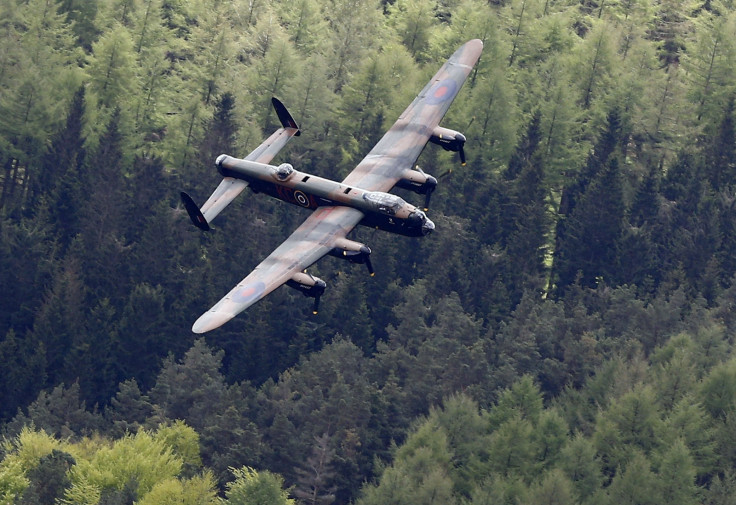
(427,227)
(420,220)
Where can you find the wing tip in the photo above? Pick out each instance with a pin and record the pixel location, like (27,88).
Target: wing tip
(211,320)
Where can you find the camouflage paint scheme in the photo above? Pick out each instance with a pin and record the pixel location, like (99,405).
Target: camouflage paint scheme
(361,198)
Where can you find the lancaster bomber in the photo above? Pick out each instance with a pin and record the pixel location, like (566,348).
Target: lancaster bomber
(361,198)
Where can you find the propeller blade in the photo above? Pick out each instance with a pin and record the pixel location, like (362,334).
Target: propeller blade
(462,155)
(426,199)
(369,265)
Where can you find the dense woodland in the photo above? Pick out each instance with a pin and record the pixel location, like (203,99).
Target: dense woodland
(565,336)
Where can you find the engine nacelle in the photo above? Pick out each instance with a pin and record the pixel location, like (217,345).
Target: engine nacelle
(308,285)
(417,181)
(354,252)
(449,140)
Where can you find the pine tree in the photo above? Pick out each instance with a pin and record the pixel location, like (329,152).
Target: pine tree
(720,150)
(592,232)
(314,476)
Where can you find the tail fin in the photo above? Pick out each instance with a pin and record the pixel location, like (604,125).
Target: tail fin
(286,120)
(194,213)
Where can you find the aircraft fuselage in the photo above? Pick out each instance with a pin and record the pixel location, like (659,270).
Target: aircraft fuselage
(381,210)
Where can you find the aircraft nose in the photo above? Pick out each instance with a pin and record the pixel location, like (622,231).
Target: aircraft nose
(427,227)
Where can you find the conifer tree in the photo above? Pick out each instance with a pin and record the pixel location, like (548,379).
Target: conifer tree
(592,232)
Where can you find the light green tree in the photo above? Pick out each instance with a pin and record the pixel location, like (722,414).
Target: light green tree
(199,490)
(555,488)
(580,463)
(356,27)
(251,487)
(414,21)
(22,454)
(718,390)
(710,63)
(677,475)
(419,473)
(593,65)
(636,484)
(304,23)
(140,459)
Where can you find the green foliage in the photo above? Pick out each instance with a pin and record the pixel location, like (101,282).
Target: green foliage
(251,487)
(142,459)
(194,491)
(183,441)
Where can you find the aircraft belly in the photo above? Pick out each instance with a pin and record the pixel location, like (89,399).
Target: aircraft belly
(387,223)
(291,195)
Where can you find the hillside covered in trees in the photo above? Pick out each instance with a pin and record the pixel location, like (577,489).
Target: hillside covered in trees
(566,334)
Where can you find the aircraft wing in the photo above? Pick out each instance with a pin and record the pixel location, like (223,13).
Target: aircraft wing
(310,242)
(400,147)
(229,187)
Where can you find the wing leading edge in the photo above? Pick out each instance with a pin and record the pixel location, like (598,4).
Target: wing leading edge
(311,241)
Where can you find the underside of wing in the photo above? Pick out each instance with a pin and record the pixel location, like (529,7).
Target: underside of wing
(400,147)
(310,242)
(225,193)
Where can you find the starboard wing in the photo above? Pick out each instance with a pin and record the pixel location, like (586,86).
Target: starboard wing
(310,242)
(402,144)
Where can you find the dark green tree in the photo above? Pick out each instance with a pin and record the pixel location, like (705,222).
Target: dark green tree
(592,232)
(60,412)
(49,479)
(61,179)
(129,408)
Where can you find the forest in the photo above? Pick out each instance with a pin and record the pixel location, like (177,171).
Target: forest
(565,335)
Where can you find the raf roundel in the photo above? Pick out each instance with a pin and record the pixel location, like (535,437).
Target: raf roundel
(441,92)
(301,198)
(249,292)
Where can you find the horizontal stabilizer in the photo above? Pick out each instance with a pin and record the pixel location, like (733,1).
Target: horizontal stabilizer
(221,197)
(286,120)
(194,213)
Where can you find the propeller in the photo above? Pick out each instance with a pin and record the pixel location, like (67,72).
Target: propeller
(459,147)
(429,186)
(369,265)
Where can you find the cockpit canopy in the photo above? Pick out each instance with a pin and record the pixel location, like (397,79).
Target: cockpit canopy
(283,171)
(385,203)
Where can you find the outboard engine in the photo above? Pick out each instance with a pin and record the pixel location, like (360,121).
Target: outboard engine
(354,252)
(308,285)
(449,140)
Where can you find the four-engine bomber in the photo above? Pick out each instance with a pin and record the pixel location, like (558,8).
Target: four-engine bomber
(337,207)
